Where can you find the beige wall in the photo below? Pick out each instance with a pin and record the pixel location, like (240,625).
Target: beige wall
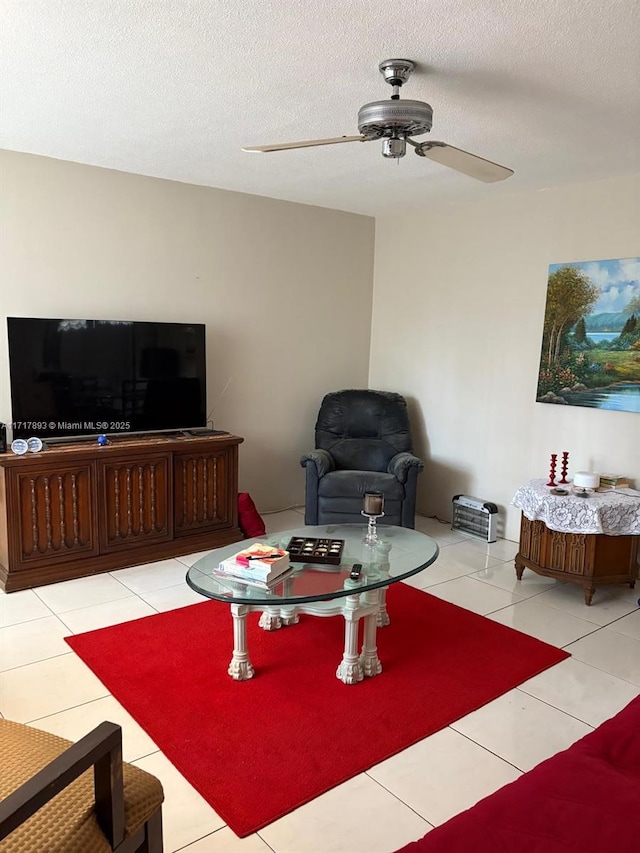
(459,300)
(284,289)
(286,293)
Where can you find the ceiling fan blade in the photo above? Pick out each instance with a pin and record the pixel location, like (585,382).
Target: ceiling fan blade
(309,143)
(463,161)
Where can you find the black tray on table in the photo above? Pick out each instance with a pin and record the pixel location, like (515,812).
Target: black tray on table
(306,549)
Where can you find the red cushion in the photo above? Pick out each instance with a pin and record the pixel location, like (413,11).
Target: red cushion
(249,518)
(583,800)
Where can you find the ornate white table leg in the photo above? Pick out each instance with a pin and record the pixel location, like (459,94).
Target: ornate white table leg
(289,616)
(289,613)
(350,669)
(240,667)
(383,616)
(270,621)
(278,617)
(369,658)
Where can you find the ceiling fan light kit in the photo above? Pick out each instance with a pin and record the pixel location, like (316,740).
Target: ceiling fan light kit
(394,122)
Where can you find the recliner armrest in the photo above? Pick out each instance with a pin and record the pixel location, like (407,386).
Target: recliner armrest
(401,464)
(322,460)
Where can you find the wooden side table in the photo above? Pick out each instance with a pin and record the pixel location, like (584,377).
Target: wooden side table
(588,559)
(591,541)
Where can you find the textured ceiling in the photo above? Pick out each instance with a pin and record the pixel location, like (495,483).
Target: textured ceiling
(175,88)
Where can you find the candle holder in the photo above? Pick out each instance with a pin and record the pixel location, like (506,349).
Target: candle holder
(373,504)
(371,536)
(565,466)
(552,470)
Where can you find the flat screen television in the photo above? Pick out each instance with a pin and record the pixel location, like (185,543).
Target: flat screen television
(87,377)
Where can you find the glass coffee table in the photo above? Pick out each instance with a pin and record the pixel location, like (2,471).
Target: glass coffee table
(320,590)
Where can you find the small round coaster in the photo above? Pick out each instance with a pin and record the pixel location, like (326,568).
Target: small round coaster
(19,446)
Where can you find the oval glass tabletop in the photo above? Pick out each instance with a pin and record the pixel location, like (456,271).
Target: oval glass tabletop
(399,553)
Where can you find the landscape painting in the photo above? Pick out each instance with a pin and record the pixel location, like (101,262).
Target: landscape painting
(591,336)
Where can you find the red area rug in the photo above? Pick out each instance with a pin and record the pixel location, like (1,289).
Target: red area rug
(258,749)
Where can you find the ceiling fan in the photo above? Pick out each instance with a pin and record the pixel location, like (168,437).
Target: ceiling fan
(395,122)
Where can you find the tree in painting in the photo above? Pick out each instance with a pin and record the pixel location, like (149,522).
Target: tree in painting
(570,295)
(591,336)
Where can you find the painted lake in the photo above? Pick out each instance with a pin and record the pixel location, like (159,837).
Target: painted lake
(624,397)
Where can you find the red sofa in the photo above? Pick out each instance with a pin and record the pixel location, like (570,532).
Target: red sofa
(583,800)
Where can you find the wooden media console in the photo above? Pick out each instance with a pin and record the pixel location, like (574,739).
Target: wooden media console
(79,509)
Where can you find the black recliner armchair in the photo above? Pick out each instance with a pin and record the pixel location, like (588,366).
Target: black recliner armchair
(363,444)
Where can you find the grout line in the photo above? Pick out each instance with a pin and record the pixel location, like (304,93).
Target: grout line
(26,621)
(70,708)
(596,628)
(195,841)
(67,627)
(266,843)
(95,604)
(618,619)
(551,705)
(482,746)
(35,592)
(555,707)
(156,751)
(39,660)
(36,662)
(600,628)
(555,610)
(605,671)
(396,796)
(61,585)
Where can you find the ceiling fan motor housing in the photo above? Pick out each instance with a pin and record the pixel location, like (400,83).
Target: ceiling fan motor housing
(395,118)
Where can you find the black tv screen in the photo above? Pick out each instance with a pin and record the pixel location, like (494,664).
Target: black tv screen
(87,377)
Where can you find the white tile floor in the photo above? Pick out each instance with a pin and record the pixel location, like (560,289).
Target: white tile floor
(43,683)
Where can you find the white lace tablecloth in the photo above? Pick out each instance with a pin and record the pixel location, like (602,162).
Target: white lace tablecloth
(611,512)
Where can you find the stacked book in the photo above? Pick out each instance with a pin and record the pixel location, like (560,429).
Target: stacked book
(613,481)
(258,565)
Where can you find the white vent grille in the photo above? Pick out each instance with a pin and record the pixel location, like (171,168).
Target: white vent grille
(475,516)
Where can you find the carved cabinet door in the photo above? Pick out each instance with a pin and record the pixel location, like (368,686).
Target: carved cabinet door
(204,490)
(533,540)
(55,513)
(135,501)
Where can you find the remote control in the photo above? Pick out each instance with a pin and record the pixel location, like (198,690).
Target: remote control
(356,571)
